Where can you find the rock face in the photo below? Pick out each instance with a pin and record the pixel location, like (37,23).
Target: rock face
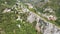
(31,17)
(44,27)
(51,29)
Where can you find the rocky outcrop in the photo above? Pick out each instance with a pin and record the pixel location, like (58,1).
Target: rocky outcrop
(44,27)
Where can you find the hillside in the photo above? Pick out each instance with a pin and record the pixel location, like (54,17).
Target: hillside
(29,17)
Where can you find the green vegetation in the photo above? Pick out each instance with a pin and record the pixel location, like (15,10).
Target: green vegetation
(8,22)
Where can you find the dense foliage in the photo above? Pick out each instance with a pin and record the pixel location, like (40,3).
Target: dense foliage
(8,22)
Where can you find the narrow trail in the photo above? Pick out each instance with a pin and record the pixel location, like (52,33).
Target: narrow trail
(43,18)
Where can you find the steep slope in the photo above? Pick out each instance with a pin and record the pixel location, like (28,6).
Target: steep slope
(47,8)
(24,18)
